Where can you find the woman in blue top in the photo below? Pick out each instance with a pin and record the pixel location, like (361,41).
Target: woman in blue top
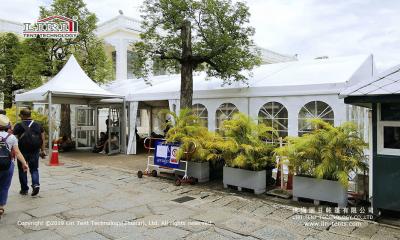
(11,143)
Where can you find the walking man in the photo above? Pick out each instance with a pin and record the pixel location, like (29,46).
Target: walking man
(31,143)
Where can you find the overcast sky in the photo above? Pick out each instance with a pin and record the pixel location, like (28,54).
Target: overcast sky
(309,28)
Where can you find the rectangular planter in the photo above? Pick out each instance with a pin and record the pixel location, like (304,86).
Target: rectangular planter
(319,190)
(242,178)
(198,170)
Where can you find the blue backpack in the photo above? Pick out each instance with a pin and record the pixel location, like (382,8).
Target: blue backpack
(5,154)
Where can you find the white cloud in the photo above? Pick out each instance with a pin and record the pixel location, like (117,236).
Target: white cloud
(310,28)
(314,28)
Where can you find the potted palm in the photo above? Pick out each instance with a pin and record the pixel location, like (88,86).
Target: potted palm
(195,143)
(246,153)
(323,159)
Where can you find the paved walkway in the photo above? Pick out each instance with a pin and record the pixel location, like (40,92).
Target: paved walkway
(87,201)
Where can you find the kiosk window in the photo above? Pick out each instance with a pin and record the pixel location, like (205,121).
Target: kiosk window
(391,137)
(390,112)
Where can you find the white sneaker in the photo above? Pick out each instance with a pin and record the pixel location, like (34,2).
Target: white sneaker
(102,152)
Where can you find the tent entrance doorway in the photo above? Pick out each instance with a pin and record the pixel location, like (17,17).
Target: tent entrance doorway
(86,129)
(109,122)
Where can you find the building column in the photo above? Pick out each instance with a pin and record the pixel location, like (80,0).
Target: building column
(121,63)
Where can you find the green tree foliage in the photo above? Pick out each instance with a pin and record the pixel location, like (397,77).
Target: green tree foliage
(42,58)
(10,52)
(49,55)
(32,68)
(328,152)
(251,152)
(213,35)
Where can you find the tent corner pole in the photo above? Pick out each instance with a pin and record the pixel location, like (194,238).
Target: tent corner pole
(16,112)
(124,150)
(49,96)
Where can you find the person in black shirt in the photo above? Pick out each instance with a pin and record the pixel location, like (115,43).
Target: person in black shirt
(31,143)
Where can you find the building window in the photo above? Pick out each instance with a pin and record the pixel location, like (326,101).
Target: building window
(131,57)
(314,109)
(275,115)
(391,137)
(389,129)
(114,63)
(201,112)
(224,112)
(158,68)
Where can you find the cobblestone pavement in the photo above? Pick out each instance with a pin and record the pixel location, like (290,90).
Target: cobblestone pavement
(96,202)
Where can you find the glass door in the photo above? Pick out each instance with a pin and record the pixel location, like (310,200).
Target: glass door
(114,130)
(85,128)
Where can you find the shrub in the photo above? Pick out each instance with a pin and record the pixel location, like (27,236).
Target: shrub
(245,144)
(38,117)
(189,133)
(328,152)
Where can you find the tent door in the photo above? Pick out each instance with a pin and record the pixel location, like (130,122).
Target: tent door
(114,126)
(85,131)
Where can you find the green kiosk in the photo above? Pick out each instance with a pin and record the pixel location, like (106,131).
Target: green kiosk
(382,95)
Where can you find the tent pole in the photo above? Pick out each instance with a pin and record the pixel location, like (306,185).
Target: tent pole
(50,123)
(109,130)
(123,135)
(16,112)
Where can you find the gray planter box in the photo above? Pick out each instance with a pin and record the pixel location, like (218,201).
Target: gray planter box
(245,179)
(319,190)
(198,170)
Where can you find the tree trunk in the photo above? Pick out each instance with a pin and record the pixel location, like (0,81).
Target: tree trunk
(186,67)
(65,125)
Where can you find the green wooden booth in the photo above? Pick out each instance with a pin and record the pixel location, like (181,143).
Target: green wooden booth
(382,95)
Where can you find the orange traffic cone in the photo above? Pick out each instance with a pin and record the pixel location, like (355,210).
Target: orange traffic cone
(54,157)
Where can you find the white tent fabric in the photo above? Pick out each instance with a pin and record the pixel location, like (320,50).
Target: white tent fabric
(133,108)
(71,81)
(317,76)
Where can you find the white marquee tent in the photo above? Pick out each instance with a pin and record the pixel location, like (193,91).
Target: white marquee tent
(292,84)
(70,86)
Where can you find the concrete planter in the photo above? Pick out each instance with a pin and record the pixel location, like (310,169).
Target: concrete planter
(198,170)
(242,178)
(319,190)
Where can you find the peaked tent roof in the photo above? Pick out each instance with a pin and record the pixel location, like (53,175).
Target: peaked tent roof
(70,85)
(385,83)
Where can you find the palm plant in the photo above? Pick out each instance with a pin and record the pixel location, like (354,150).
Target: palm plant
(245,144)
(328,152)
(193,138)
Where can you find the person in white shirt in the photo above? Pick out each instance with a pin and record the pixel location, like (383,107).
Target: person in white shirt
(8,143)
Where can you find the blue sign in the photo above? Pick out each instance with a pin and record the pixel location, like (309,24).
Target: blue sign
(165,154)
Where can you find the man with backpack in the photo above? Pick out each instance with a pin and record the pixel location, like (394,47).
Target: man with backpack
(31,143)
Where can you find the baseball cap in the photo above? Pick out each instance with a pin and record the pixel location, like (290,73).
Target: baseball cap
(4,121)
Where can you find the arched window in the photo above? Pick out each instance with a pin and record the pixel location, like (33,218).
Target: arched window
(274,114)
(224,112)
(314,109)
(201,112)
